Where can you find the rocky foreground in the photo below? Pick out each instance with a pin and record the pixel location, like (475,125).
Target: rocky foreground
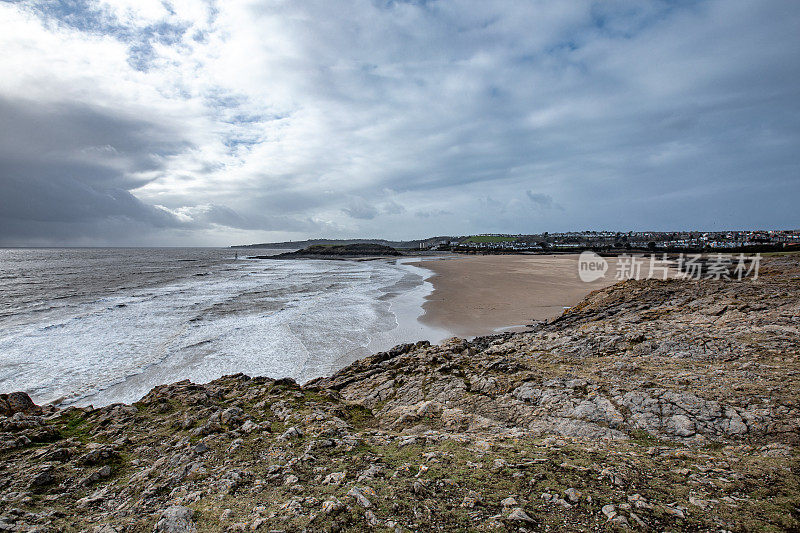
(653,405)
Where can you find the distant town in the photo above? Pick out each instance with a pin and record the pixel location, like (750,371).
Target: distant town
(602,241)
(633,240)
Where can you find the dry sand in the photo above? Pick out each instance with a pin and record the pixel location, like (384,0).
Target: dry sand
(484,294)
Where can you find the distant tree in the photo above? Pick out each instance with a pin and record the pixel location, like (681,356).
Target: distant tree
(651,245)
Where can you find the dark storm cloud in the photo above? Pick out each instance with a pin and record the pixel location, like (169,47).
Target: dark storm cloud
(70,163)
(52,141)
(66,171)
(67,200)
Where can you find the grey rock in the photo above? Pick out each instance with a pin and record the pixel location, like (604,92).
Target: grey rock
(334,478)
(200,448)
(509,502)
(292,433)
(359,497)
(609,511)
(100,474)
(176,519)
(519,515)
(572,495)
(99,455)
(231,416)
(332,505)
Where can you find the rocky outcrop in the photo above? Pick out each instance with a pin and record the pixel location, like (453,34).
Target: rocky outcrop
(16,402)
(655,405)
(655,356)
(339,251)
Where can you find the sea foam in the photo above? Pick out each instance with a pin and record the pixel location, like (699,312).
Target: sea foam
(298,319)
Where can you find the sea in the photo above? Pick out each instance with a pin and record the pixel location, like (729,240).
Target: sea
(95,326)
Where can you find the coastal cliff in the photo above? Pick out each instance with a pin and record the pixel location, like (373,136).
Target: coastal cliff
(652,405)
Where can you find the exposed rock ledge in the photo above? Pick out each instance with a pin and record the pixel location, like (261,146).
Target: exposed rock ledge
(650,406)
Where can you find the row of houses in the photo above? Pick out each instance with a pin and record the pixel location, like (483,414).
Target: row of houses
(638,240)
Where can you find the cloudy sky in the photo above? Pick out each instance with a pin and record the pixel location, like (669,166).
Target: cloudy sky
(205,122)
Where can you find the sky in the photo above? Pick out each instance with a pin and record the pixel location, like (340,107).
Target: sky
(211,123)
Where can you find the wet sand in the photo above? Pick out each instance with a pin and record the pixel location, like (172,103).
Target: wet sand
(484,294)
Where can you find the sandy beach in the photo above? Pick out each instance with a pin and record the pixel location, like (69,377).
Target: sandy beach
(484,294)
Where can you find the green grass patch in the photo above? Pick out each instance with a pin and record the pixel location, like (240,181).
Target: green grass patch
(643,438)
(74,426)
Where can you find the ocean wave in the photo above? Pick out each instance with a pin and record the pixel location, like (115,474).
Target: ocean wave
(296,319)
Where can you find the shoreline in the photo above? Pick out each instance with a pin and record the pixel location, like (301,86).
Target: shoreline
(476,295)
(407,306)
(404,301)
(251,338)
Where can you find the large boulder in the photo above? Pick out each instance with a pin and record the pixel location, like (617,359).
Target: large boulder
(176,519)
(16,402)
